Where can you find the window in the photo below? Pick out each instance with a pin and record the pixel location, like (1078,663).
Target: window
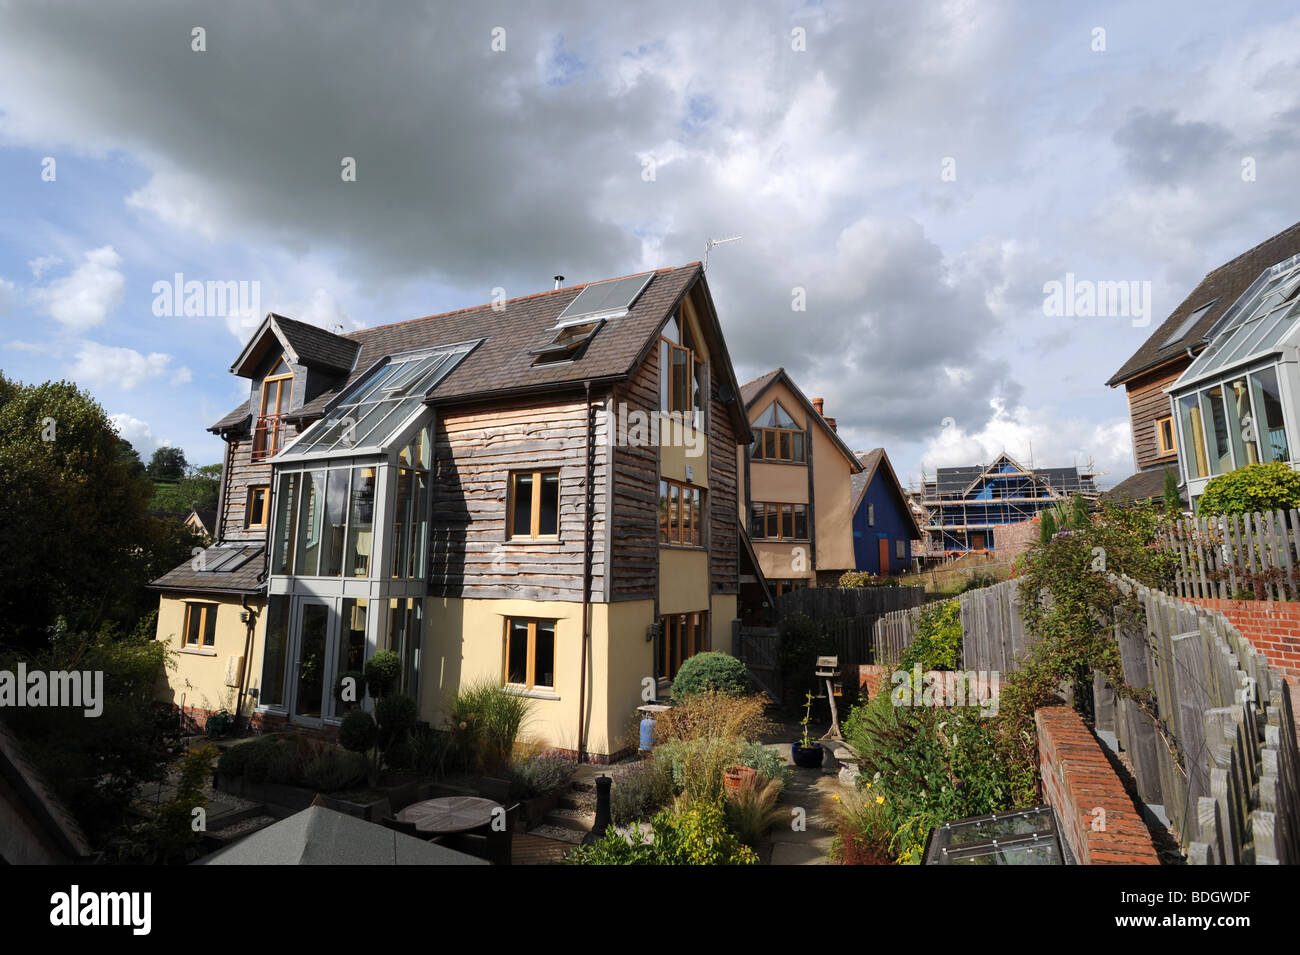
(777,437)
(277,388)
(786,585)
(534,504)
(681,513)
(405,626)
(900,550)
(567,344)
(683,636)
(683,378)
(200,624)
(1165,435)
(255,511)
(530,654)
(1268,414)
(271,691)
(778,521)
(871,514)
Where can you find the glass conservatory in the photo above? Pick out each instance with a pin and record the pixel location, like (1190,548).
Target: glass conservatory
(1235,404)
(351,498)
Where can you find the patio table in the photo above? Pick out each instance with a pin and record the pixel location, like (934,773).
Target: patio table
(449,814)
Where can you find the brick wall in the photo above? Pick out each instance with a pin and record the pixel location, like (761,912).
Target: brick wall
(1077,781)
(1272,626)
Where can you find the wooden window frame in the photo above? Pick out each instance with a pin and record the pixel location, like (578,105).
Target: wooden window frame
(777,512)
(249,523)
(535,506)
(530,667)
(1164,449)
(206,635)
(785,585)
(677,526)
(681,632)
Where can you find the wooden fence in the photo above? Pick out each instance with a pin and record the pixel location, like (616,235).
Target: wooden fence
(759,648)
(823,603)
(1222,556)
(1215,743)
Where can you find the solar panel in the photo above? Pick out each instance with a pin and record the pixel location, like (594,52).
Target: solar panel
(610,299)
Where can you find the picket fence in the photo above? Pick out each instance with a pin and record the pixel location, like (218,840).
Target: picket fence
(1219,557)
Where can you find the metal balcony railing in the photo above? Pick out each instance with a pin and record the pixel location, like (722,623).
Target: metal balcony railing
(268,436)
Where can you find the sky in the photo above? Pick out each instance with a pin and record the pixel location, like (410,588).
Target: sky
(908,179)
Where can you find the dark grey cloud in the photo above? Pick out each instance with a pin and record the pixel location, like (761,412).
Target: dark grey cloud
(1164,151)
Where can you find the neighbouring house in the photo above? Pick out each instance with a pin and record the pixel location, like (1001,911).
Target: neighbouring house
(541,492)
(883,524)
(797,497)
(36,827)
(967,506)
(203,522)
(1152,371)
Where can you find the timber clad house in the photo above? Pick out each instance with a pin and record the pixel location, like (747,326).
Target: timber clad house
(542,492)
(797,498)
(1198,435)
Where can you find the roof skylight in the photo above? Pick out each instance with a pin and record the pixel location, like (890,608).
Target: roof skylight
(1187,324)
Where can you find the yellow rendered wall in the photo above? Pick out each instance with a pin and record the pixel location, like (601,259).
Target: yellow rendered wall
(722,612)
(199,679)
(683,580)
(778,483)
(465,641)
(776,559)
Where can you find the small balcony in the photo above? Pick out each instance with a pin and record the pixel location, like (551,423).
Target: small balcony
(268,436)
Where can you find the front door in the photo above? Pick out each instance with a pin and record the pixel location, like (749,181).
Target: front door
(312,668)
(884,556)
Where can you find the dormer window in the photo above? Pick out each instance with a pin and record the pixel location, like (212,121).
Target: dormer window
(277,389)
(777,437)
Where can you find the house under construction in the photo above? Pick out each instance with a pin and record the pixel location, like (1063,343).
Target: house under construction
(965,506)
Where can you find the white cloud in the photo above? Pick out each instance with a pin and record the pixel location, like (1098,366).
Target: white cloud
(121,367)
(85,297)
(41,264)
(138,432)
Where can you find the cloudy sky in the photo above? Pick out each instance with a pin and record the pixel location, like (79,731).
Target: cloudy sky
(919,170)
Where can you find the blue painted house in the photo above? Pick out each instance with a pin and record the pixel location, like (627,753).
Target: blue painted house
(883,524)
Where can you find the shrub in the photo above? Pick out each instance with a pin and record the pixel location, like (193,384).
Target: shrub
(695,766)
(1046,527)
(862,578)
(358,732)
(752,811)
(486,720)
(711,671)
(382,672)
(332,769)
(429,752)
(769,762)
(540,775)
(937,643)
(639,790)
(396,715)
(862,826)
(696,836)
(1254,487)
(802,642)
(170,836)
(711,713)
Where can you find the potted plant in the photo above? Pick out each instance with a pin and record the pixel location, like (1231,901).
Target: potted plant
(735,778)
(805,751)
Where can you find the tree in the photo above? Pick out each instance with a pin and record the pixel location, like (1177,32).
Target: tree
(76,540)
(197,489)
(1173,499)
(130,458)
(1081,518)
(1048,528)
(167,464)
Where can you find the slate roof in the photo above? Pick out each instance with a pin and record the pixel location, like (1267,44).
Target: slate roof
(316,346)
(1143,486)
(751,391)
(245,578)
(1223,286)
(27,783)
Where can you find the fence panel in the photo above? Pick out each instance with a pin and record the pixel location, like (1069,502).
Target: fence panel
(1221,556)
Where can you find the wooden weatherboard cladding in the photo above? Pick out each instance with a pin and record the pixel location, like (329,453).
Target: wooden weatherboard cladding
(635,568)
(1147,404)
(476,451)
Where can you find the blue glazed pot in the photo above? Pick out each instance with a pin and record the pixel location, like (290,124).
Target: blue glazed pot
(809,757)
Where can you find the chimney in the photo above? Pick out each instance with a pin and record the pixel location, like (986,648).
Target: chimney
(818,403)
(834,427)
(559,281)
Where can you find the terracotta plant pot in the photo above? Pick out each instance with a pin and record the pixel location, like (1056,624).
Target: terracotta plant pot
(735,777)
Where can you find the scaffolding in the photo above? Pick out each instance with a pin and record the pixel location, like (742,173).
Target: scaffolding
(965,505)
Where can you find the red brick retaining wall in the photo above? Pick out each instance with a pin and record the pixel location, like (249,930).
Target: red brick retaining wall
(1272,626)
(1078,781)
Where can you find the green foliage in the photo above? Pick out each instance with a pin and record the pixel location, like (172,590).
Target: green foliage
(76,540)
(486,720)
(1081,515)
(294,760)
(358,732)
(540,775)
(752,812)
(429,751)
(802,641)
(863,831)
(1046,527)
(695,766)
(1173,499)
(167,464)
(862,578)
(769,762)
(696,836)
(932,765)
(382,671)
(170,835)
(192,491)
(711,671)
(639,790)
(396,715)
(937,645)
(1254,487)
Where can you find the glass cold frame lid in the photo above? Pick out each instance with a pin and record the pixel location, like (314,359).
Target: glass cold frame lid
(378,404)
(1257,323)
(1019,837)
